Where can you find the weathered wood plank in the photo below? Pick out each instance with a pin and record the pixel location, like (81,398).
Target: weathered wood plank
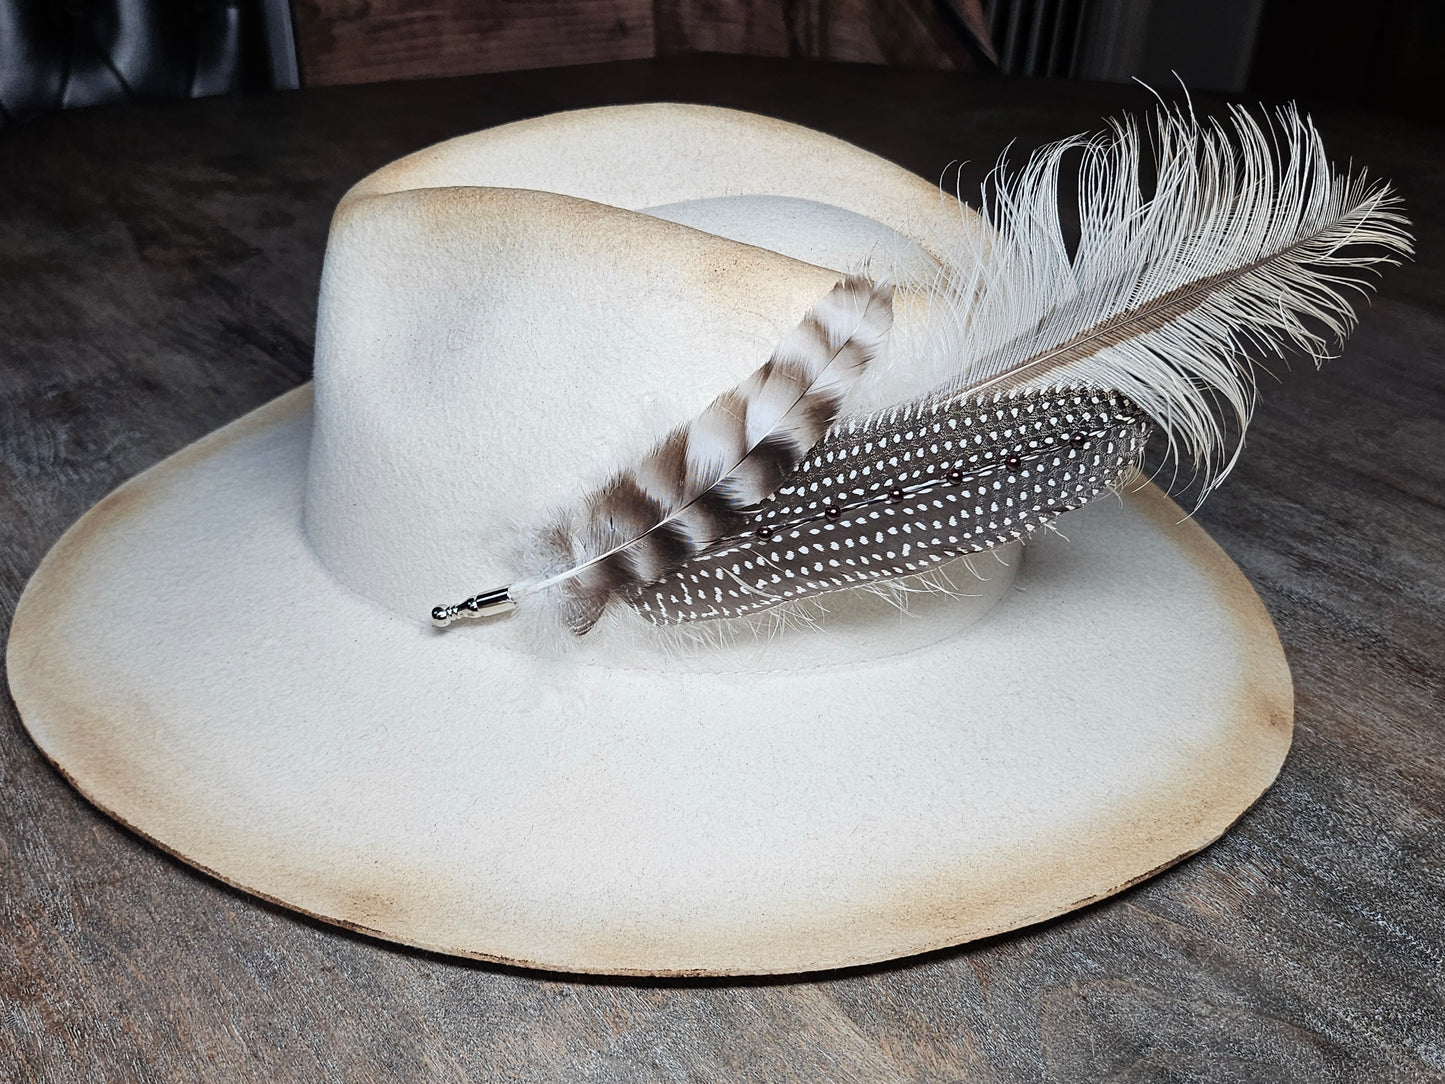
(338,41)
(158,269)
(752,27)
(342,41)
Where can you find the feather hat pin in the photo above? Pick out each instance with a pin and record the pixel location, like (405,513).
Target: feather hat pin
(1058,366)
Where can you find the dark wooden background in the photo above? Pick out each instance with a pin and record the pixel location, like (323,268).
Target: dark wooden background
(361,41)
(158,271)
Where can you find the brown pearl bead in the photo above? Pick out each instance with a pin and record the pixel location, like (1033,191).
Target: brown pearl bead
(831,513)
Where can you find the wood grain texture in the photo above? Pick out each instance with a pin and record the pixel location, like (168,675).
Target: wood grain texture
(363,41)
(158,269)
(752,27)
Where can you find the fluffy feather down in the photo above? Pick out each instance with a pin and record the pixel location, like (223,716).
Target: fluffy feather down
(1250,246)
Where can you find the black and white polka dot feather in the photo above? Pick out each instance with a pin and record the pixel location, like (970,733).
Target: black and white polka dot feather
(900,491)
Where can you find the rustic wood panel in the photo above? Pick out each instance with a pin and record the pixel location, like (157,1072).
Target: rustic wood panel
(905,32)
(158,270)
(363,41)
(753,27)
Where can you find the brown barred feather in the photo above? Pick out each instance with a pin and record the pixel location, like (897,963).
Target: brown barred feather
(699,483)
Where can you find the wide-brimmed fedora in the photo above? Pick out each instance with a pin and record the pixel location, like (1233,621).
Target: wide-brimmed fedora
(232,653)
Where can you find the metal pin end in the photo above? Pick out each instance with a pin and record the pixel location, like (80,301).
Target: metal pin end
(496,601)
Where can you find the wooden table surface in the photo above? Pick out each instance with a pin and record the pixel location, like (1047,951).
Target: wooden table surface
(158,272)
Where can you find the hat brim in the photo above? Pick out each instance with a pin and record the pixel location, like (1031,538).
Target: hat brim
(187,663)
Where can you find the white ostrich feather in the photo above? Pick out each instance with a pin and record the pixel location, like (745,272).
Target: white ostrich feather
(1250,247)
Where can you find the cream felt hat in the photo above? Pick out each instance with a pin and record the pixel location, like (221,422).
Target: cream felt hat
(231,654)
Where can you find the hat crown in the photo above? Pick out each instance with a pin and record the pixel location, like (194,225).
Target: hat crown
(508,317)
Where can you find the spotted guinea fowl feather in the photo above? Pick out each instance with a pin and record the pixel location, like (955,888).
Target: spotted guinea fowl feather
(694,487)
(900,491)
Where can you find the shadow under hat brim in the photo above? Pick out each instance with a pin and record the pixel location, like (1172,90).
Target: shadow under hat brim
(188,664)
